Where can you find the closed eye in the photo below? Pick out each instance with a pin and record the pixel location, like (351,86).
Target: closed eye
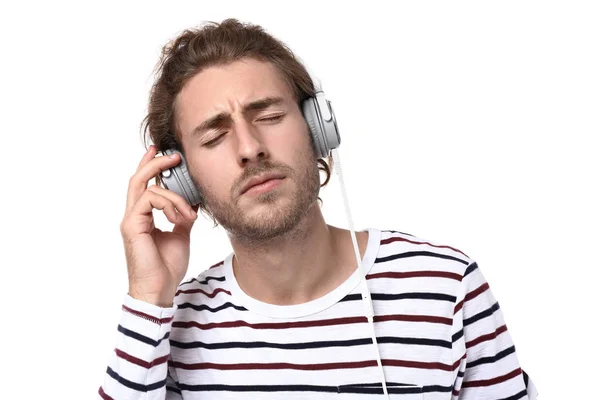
(273,118)
(214,141)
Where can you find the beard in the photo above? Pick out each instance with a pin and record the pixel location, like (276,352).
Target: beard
(281,211)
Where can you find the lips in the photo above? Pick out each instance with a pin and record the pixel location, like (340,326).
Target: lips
(259,179)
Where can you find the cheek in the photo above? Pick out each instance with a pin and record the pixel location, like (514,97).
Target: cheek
(210,176)
(303,148)
(296,139)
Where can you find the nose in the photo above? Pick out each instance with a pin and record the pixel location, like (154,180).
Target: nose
(250,145)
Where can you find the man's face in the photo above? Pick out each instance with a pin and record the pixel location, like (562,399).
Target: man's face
(241,121)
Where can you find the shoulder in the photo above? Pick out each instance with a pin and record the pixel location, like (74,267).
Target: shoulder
(206,282)
(395,245)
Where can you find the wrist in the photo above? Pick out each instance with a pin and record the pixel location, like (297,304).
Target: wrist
(159,300)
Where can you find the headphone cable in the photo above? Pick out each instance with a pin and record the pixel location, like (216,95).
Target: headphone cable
(366,295)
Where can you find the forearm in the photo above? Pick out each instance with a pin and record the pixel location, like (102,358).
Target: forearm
(483,349)
(138,367)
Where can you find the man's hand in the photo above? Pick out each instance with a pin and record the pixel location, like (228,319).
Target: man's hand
(156,261)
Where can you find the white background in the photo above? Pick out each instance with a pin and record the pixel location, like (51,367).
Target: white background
(474,124)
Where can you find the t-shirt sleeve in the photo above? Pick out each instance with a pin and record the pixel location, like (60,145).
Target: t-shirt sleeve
(138,368)
(483,350)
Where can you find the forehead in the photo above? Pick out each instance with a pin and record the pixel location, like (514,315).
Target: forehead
(226,88)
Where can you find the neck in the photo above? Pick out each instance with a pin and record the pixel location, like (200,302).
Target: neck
(302,265)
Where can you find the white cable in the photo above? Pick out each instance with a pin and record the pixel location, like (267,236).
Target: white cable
(366,295)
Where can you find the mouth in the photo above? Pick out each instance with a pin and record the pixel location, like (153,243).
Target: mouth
(262,184)
(263,187)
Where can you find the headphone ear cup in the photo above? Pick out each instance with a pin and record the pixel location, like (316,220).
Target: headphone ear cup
(311,115)
(179,180)
(320,118)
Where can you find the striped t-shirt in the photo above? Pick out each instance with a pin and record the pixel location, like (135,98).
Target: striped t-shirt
(440,333)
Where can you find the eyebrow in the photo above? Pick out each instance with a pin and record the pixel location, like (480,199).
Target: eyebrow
(218,119)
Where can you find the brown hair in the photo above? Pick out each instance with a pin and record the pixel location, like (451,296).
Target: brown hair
(209,45)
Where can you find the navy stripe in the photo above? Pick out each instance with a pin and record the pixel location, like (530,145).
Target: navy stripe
(172,384)
(471,268)
(204,307)
(377,384)
(402,296)
(312,345)
(482,314)
(457,335)
(517,396)
(141,338)
(378,390)
(437,388)
(358,389)
(493,359)
(205,281)
(174,390)
(418,254)
(133,385)
(402,233)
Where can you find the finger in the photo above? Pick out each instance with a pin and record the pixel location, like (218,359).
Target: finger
(149,155)
(150,201)
(180,203)
(183,229)
(139,181)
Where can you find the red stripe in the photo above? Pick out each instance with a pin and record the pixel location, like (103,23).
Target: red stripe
(312,367)
(471,296)
(140,314)
(494,381)
(457,362)
(270,325)
(308,324)
(418,364)
(458,307)
(456,391)
(485,338)
(414,318)
(257,366)
(416,274)
(216,265)
(141,363)
(477,292)
(211,295)
(104,395)
(399,239)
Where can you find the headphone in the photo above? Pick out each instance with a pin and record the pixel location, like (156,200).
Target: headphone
(322,125)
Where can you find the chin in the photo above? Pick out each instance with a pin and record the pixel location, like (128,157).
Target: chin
(269,220)
(266,216)
(267,207)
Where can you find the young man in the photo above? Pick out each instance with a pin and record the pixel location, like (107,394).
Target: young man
(282,316)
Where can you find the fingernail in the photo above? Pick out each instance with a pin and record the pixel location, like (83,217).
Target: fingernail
(193,214)
(174,155)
